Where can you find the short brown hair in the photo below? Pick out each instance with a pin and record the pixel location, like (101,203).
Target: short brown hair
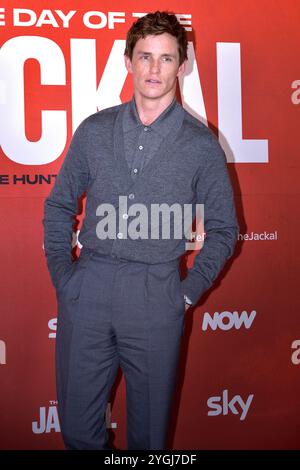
(154,24)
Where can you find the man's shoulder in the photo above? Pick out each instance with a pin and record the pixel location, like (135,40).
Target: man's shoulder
(196,129)
(194,124)
(107,114)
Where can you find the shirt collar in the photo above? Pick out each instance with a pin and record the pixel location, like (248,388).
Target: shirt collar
(162,124)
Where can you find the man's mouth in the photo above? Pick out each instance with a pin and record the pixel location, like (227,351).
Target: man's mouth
(153,81)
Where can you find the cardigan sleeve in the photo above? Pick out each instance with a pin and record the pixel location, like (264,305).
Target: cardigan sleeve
(214,190)
(61,206)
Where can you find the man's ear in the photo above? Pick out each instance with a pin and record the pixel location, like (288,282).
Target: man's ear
(128,64)
(181,69)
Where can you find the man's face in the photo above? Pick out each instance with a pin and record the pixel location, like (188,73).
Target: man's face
(155,66)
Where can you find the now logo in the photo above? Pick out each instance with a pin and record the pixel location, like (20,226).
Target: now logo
(227,320)
(222,405)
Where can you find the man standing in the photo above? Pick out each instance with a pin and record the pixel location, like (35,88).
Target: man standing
(122,303)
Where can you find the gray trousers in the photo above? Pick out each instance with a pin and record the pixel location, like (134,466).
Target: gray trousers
(115,313)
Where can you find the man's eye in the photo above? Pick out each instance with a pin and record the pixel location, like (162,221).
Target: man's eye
(167,59)
(145,57)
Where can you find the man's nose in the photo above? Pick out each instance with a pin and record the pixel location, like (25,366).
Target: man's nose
(154,66)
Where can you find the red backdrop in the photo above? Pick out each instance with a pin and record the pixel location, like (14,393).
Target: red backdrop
(60,61)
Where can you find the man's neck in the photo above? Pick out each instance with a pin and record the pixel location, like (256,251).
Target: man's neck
(149,110)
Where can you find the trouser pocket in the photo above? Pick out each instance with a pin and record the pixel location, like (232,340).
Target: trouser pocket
(71,283)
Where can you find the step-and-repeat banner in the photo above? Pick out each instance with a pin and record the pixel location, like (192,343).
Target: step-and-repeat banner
(238,381)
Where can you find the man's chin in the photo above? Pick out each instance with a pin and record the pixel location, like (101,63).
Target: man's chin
(153,94)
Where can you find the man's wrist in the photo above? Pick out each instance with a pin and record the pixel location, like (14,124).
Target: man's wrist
(187,300)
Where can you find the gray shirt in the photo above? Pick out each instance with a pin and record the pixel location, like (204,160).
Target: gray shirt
(142,142)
